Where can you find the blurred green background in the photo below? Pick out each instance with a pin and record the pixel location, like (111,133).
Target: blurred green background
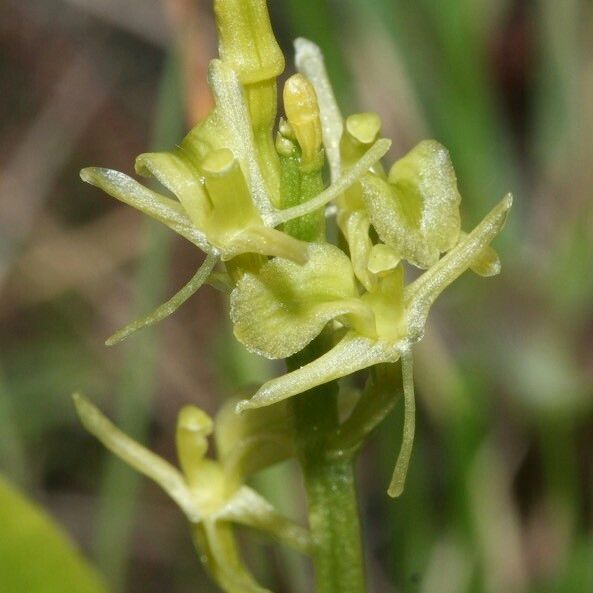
(500,497)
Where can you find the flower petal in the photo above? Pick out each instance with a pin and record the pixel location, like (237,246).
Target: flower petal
(163,209)
(294,303)
(231,109)
(417,211)
(247,41)
(487,263)
(391,224)
(352,354)
(355,226)
(309,61)
(248,508)
(168,308)
(218,551)
(247,443)
(180,178)
(421,294)
(266,241)
(146,462)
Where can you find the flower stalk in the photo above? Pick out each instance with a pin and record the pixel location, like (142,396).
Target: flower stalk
(255,203)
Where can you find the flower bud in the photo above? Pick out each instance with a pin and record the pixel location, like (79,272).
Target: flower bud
(204,477)
(302,112)
(194,427)
(247,41)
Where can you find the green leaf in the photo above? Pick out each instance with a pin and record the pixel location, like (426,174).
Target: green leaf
(35,555)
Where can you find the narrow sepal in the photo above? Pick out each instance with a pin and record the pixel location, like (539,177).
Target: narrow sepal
(248,508)
(309,61)
(141,459)
(400,472)
(168,308)
(127,190)
(421,294)
(351,354)
(376,152)
(232,113)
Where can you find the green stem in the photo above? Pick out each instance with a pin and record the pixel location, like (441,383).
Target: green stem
(329,477)
(329,481)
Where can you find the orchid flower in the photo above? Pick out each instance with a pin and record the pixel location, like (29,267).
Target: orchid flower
(415,213)
(212,494)
(296,302)
(223,175)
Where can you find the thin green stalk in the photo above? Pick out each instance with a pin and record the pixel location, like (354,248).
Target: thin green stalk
(329,481)
(329,477)
(137,387)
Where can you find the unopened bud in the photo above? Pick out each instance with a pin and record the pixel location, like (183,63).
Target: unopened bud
(194,427)
(247,41)
(302,112)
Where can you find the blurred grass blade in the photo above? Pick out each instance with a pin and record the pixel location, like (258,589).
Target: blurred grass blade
(137,386)
(446,58)
(315,20)
(35,555)
(12,447)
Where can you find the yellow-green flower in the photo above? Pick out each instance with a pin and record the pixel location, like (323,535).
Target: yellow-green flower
(212,494)
(224,174)
(294,304)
